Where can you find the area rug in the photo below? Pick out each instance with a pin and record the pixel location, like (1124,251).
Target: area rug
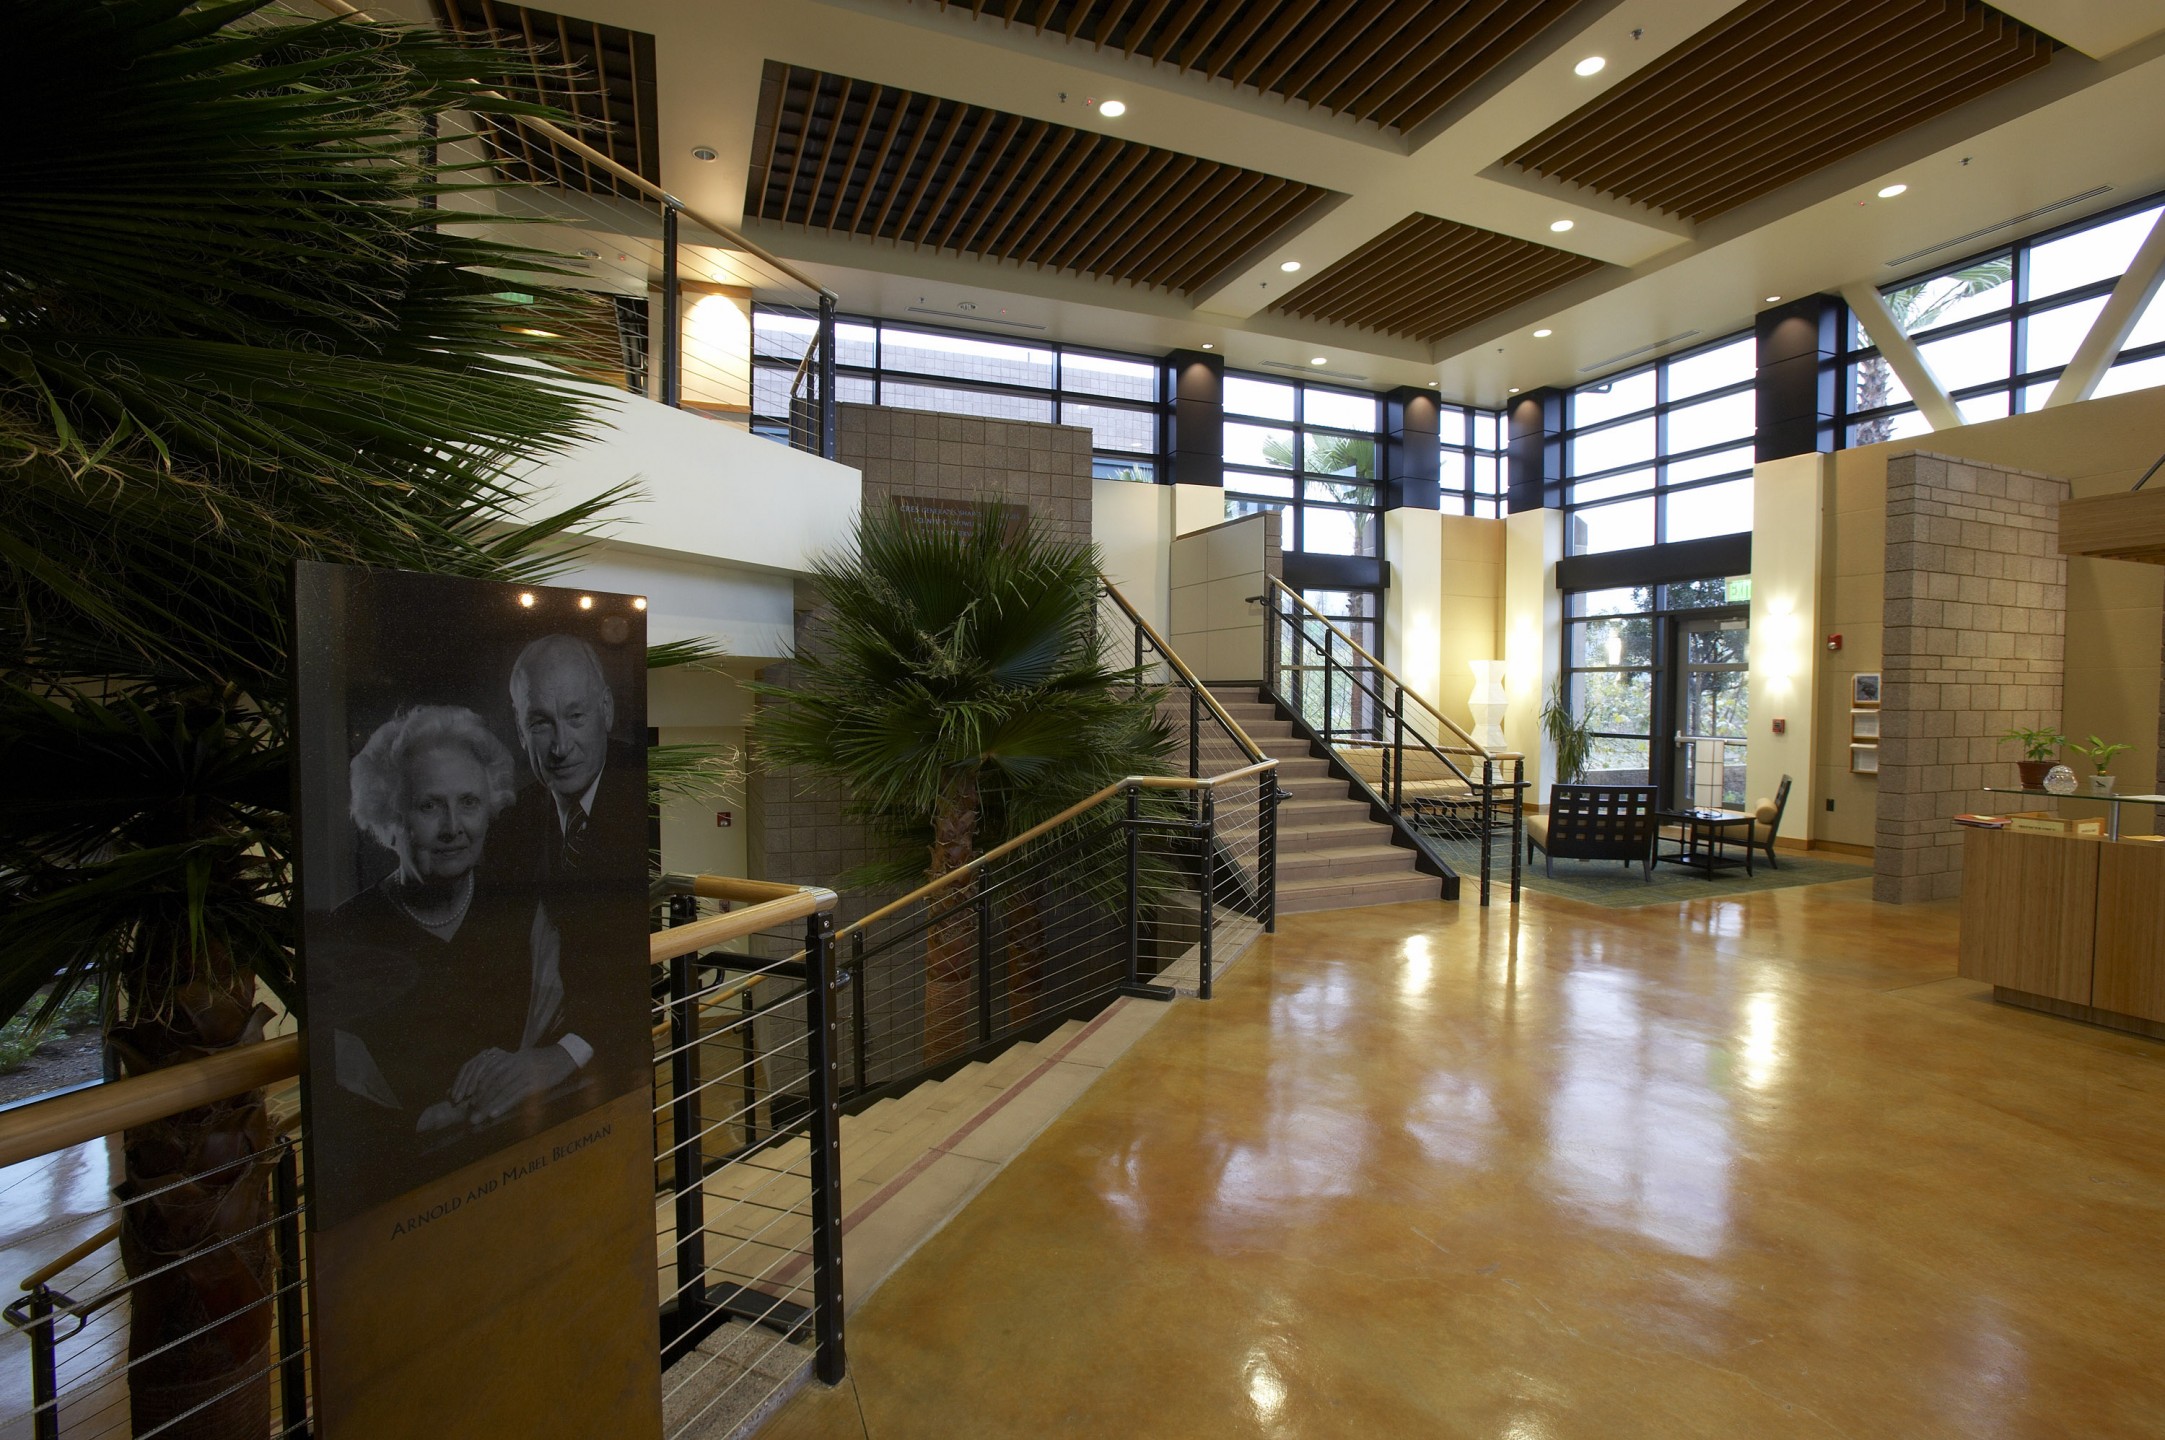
(1605,882)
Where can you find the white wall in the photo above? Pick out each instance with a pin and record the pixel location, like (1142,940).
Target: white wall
(1133,527)
(1413,605)
(705,488)
(1788,520)
(1533,636)
(702,707)
(1215,629)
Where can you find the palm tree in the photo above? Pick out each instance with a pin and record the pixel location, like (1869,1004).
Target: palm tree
(956,690)
(1915,308)
(231,334)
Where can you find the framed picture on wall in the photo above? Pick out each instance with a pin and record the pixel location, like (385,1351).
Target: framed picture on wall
(1864,688)
(1864,725)
(1864,759)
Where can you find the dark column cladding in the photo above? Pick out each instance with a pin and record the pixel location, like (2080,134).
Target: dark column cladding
(1796,412)
(1535,478)
(1412,454)
(1195,450)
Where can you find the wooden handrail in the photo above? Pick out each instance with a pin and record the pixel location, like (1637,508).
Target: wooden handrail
(629,176)
(81,1115)
(1142,782)
(1180,667)
(799,902)
(1474,746)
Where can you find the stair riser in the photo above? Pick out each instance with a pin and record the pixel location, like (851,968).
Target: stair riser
(1322,865)
(1346,897)
(1299,841)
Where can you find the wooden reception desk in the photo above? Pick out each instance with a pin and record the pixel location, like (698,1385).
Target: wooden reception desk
(2068,925)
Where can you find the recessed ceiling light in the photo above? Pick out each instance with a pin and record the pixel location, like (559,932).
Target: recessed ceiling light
(1560,226)
(704,152)
(1514,389)
(1321,360)
(1207,345)
(1543,334)
(1113,109)
(526,598)
(1774,299)
(1591,65)
(1290,266)
(638,602)
(1888,192)
(586,602)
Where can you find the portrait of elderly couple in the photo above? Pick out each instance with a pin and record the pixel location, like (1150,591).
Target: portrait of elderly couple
(486,978)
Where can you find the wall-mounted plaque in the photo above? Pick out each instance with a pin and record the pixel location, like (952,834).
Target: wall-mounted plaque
(471,806)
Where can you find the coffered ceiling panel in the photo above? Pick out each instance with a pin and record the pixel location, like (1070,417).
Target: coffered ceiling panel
(1427,278)
(1777,89)
(600,75)
(1395,62)
(855,158)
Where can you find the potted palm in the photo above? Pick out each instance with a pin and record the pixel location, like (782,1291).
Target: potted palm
(2099,754)
(2038,748)
(955,690)
(1568,734)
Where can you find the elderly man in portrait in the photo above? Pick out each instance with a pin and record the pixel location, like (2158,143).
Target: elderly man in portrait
(578,838)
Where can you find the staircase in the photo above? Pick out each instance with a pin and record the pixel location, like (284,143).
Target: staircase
(1331,855)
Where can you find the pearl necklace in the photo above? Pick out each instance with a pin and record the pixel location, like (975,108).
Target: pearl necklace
(450,922)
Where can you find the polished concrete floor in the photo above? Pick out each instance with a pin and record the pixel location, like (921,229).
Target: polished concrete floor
(1756,1167)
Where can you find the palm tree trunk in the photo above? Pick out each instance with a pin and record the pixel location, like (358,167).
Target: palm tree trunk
(195,1232)
(951,941)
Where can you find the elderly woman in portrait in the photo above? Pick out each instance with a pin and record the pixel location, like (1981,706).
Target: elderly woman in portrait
(445,1003)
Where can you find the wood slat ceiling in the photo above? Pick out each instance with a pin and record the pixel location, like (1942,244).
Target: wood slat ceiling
(1427,278)
(600,75)
(1777,89)
(854,158)
(1394,62)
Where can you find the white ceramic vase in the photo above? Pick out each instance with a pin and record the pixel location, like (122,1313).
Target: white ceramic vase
(1487,701)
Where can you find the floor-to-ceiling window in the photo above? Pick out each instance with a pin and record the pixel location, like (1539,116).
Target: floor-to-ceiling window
(1998,328)
(1658,673)
(1663,452)
(1119,398)
(1310,453)
(1472,474)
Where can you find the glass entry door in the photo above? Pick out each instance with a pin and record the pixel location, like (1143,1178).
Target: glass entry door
(1711,713)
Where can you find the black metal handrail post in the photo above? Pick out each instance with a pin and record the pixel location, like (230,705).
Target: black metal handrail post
(825,1139)
(1208,835)
(1266,822)
(672,320)
(687,1173)
(292,1332)
(857,1005)
(44,1364)
(1138,657)
(1398,749)
(827,406)
(1488,819)
(748,1084)
(1195,735)
(1518,822)
(1135,917)
(984,960)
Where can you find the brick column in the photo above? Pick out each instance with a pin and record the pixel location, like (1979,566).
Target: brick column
(1975,645)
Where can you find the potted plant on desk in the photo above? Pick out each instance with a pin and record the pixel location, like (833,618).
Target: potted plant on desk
(2099,754)
(2038,747)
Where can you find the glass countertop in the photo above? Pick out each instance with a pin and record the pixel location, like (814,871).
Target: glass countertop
(2079,794)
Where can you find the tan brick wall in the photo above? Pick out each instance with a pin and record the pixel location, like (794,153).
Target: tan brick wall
(1974,635)
(800,834)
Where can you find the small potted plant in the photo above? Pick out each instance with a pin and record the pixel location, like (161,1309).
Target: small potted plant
(2099,754)
(2038,747)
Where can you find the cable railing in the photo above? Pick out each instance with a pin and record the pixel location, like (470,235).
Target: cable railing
(1447,795)
(747,1205)
(1145,888)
